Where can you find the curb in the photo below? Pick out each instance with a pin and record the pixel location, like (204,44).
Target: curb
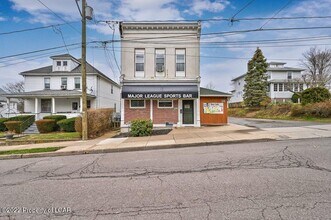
(130,149)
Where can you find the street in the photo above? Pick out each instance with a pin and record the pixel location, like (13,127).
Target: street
(269,180)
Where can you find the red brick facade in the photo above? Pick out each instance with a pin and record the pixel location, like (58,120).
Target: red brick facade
(160,115)
(136,113)
(163,115)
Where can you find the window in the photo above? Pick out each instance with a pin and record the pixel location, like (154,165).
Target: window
(289,75)
(165,104)
(275,87)
(137,103)
(112,89)
(46,105)
(280,87)
(180,62)
(77,82)
(88,104)
(47,83)
(301,87)
(75,106)
(139,62)
(296,87)
(286,87)
(268,88)
(269,75)
(114,107)
(58,63)
(65,63)
(64,81)
(159,62)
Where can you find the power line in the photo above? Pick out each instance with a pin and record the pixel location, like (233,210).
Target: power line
(58,16)
(281,9)
(243,8)
(33,29)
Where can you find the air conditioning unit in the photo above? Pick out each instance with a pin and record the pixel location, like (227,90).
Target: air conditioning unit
(63,87)
(159,69)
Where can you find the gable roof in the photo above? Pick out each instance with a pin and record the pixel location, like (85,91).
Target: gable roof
(211,92)
(2,91)
(48,70)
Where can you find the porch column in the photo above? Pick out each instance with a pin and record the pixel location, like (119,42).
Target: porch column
(36,105)
(53,106)
(198,112)
(151,109)
(81,105)
(8,105)
(122,112)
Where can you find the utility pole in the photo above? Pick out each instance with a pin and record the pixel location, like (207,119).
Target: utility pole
(83,63)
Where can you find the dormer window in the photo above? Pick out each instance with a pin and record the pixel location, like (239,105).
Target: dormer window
(58,63)
(65,63)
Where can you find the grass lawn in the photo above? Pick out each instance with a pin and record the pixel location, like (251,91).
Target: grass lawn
(30,151)
(52,136)
(2,134)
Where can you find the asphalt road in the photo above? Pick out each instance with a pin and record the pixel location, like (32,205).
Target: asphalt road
(269,123)
(270,180)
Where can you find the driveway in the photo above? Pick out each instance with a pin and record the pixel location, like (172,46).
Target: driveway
(269,123)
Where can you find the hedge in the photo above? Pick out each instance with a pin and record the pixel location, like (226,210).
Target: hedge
(141,127)
(320,110)
(314,95)
(14,126)
(27,119)
(46,125)
(57,118)
(99,122)
(2,124)
(67,125)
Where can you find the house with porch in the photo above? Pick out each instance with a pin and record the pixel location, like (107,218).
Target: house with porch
(56,89)
(7,107)
(283,81)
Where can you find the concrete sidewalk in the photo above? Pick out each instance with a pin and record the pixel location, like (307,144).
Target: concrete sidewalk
(179,137)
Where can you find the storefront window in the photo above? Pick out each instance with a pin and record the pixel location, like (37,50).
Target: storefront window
(165,104)
(137,103)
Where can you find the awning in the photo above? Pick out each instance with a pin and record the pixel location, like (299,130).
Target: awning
(160,92)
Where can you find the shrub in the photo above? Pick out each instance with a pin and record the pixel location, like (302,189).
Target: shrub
(99,121)
(141,127)
(56,118)
(14,126)
(46,125)
(297,110)
(321,110)
(27,120)
(314,95)
(2,124)
(67,125)
(295,97)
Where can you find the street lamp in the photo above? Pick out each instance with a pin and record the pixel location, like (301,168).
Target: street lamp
(87,13)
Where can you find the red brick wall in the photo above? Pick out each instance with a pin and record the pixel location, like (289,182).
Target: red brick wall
(136,113)
(163,115)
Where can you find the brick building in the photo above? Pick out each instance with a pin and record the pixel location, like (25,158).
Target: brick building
(160,78)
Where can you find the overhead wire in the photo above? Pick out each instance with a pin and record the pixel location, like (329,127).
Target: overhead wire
(281,9)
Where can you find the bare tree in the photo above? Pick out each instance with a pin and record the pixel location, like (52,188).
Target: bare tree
(210,85)
(16,87)
(317,63)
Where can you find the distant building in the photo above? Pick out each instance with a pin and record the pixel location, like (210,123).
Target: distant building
(282,81)
(56,89)
(7,106)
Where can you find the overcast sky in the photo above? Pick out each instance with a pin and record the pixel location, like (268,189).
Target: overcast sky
(219,63)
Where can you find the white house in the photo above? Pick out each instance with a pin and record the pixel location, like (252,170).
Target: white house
(56,89)
(160,73)
(282,81)
(7,107)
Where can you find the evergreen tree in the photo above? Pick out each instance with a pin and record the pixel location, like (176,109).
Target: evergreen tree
(255,89)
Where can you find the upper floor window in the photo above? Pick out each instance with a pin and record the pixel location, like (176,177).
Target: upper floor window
(58,63)
(112,89)
(159,62)
(47,83)
(280,87)
(139,62)
(65,63)
(180,62)
(275,87)
(289,75)
(64,82)
(77,82)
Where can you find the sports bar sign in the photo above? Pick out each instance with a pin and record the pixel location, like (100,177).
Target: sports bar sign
(189,95)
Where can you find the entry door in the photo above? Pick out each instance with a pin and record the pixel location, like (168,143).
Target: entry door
(188,112)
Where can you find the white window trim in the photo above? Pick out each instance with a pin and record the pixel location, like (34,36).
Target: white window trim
(180,73)
(137,74)
(137,107)
(172,103)
(160,74)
